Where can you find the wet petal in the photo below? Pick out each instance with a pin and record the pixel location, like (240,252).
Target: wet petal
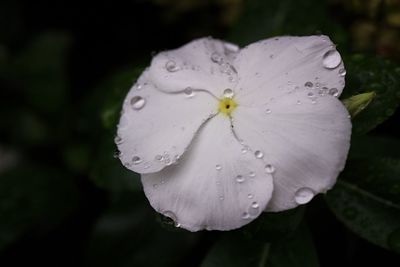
(276,66)
(219,185)
(203,63)
(155,128)
(305,137)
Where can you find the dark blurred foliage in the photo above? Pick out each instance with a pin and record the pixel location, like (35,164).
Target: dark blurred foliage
(66,201)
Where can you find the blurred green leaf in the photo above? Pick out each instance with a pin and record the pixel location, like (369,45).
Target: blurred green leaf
(40,70)
(233,249)
(128,235)
(367,200)
(372,74)
(273,226)
(367,146)
(266,18)
(34,198)
(108,172)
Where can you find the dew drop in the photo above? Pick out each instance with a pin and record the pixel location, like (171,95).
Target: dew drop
(188,92)
(269,168)
(228,93)
(159,157)
(240,178)
(334,92)
(244,150)
(342,72)
(298,102)
(250,196)
(310,94)
(218,167)
(254,209)
(171,66)
(170,218)
(314,101)
(137,102)
(268,111)
(331,59)
(155,186)
(231,48)
(309,84)
(136,160)
(259,154)
(252,174)
(245,215)
(118,140)
(221,198)
(117,154)
(303,195)
(216,58)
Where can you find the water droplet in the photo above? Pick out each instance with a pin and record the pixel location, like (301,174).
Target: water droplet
(245,215)
(155,186)
(228,93)
(117,154)
(254,209)
(310,94)
(250,196)
(147,165)
(342,72)
(216,58)
(334,92)
(298,102)
(303,195)
(331,59)
(309,84)
(188,92)
(231,48)
(218,167)
(240,178)
(170,218)
(259,154)
(244,150)
(171,66)
(168,161)
(118,140)
(137,102)
(136,160)
(269,168)
(268,111)
(313,101)
(221,198)
(252,174)
(159,157)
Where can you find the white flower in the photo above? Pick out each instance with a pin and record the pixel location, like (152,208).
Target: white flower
(221,134)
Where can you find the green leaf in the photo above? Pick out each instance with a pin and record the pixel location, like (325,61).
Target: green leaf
(358,103)
(34,198)
(372,74)
(265,18)
(40,70)
(128,235)
(367,200)
(273,226)
(233,249)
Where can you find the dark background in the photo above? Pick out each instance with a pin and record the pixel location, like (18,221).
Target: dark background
(64,70)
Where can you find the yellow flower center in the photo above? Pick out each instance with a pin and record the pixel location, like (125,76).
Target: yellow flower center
(227,106)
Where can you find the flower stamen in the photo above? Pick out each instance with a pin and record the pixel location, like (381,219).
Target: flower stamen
(227,106)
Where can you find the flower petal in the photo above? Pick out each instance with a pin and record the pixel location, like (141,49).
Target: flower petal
(276,66)
(217,186)
(304,136)
(155,127)
(201,64)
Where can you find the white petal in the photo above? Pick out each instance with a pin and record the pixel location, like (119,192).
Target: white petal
(155,127)
(218,185)
(305,137)
(276,66)
(204,63)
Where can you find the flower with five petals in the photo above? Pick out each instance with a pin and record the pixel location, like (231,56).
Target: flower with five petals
(220,134)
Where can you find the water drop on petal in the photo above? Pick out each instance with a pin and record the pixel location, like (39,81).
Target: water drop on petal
(309,84)
(268,111)
(334,92)
(137,102)
(250,196)
(331,59)
(259,154)
(245,215)
(303,195)
(228,93)
(342,72)
(269,168)
(171,66)
(136,160)
(216,58)
(252,174)
(188,92)
(218,167)
(240,178)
